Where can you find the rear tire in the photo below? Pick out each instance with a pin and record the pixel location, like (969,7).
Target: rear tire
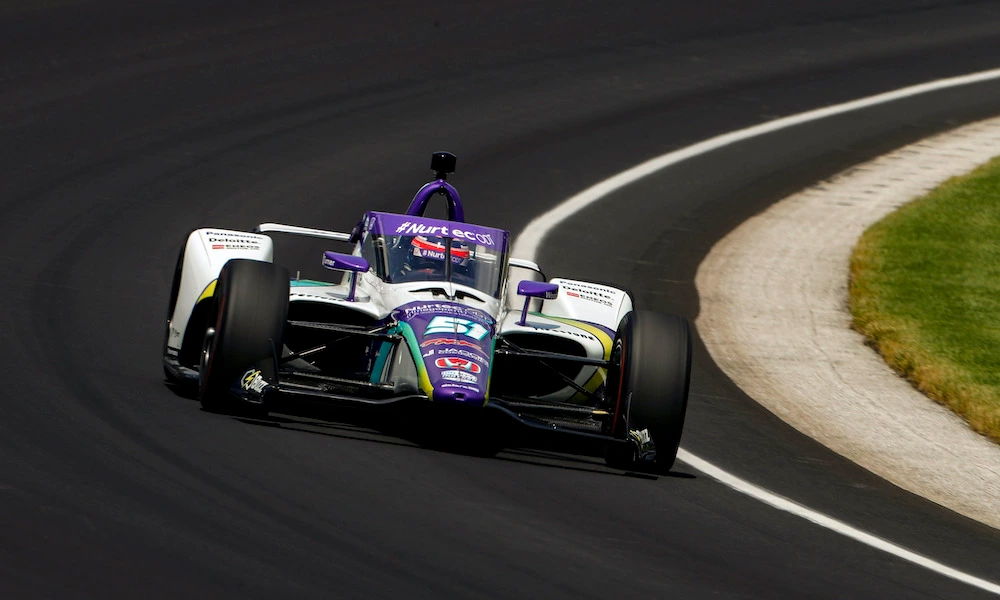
(248,330)
(650,389)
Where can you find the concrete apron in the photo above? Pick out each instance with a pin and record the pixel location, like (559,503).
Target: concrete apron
(774,316)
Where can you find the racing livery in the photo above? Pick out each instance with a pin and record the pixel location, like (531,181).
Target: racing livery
(428,311)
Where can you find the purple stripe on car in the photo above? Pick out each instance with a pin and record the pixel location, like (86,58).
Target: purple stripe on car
(440,186)
(394,224)
(455,345)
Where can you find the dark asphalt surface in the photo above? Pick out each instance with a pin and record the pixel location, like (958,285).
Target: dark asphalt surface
(126,125)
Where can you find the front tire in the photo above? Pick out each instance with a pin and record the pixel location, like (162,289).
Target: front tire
(650,390)
(252,300)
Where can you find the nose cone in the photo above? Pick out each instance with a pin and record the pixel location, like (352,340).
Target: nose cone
(448,395)
(457,375)
(455,346)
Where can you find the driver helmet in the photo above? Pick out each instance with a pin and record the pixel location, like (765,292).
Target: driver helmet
(424,250)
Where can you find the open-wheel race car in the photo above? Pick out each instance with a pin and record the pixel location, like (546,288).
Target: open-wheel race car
(432,312)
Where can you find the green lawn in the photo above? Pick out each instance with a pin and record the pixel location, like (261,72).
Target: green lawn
(925,291)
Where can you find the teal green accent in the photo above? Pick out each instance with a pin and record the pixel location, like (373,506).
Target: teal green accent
(380,359)
(411,342)
(308,283)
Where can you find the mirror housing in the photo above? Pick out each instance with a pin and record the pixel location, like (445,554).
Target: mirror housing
(538,289)
(338,261)
(535,289)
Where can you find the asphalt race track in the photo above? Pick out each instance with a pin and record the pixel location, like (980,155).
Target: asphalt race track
(124,126)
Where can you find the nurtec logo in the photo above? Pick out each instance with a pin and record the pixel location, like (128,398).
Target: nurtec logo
(410,228)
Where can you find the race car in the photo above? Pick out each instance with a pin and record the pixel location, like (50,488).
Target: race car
(428,312)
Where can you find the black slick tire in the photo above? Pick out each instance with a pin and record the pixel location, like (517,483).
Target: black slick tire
(249,328)
(650,388)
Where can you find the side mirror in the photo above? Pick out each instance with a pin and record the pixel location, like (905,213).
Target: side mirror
(336,261)
(535,289)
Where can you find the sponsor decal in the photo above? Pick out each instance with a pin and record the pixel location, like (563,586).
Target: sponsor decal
(462,386)
(462,353)
(459,376)
(592,293)
(227,240)
(439,255)
(433,255)
(457,326)
(454,362)
(234,247)
(253,381)
(450,342)
(584,286)
(640,436)
(233,235)
(425,248)
(428,353)
(457,310)
(410,228)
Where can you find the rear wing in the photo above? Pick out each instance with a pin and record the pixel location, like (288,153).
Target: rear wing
(306,231)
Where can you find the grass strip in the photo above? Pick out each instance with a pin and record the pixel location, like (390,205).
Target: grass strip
(925,291)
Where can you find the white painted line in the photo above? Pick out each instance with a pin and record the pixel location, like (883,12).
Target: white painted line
(527,244)
(822,520)
(774,316)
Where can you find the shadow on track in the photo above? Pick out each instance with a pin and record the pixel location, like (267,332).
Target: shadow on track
(429,429)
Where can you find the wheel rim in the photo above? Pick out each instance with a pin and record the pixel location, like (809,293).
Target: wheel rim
(206,352)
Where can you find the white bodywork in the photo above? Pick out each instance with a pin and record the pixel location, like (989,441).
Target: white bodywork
(571,315)
(205,253)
